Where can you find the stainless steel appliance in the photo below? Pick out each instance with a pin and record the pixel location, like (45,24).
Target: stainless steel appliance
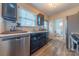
(15,45)
(72,27)
(9,11)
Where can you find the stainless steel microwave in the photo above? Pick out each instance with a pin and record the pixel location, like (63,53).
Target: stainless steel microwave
(9,11)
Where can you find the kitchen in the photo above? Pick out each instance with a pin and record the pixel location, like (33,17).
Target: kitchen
(26,30)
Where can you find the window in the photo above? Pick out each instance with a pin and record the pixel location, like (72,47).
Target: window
(46,24)
(26,18)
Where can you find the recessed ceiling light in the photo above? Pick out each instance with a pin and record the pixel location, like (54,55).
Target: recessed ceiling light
(52,5)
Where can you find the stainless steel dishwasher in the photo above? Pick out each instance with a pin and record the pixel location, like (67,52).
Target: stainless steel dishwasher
(15,45)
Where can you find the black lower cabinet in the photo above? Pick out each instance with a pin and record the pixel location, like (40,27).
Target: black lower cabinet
(37,40)
(34,47)
(42,40)
(33,43)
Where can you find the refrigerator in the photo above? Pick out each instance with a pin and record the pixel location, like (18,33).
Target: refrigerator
(72,27)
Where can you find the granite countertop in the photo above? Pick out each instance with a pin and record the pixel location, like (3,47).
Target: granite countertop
(7,33)
(37,31)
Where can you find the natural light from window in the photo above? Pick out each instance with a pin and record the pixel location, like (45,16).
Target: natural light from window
(26,18)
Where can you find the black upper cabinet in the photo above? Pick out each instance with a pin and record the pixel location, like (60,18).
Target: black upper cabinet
(40,20)
(9,11)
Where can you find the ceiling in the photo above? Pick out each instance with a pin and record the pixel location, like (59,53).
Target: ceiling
(53,8)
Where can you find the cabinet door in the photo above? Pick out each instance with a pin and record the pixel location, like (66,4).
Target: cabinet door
(34,44)
(42,39)
(40,19)
(9,11)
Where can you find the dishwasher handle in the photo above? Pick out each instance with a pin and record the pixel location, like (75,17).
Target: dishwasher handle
(14,38)
(5,39)
(11,38)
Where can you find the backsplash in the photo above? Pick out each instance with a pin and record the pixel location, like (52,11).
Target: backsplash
(9,25)
(27,28)
(6,25)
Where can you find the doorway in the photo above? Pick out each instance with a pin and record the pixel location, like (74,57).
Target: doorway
(59,28)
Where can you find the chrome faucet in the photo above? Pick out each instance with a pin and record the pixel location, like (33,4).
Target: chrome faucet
(13,28)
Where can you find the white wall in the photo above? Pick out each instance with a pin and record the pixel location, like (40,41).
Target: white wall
(1,20)
(51,29)
(65,13)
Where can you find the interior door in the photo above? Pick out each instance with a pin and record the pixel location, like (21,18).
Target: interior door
(59,27)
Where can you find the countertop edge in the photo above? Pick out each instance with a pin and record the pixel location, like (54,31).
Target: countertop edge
(6,35)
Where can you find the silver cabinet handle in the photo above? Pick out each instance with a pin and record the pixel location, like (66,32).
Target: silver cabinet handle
(34,38)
